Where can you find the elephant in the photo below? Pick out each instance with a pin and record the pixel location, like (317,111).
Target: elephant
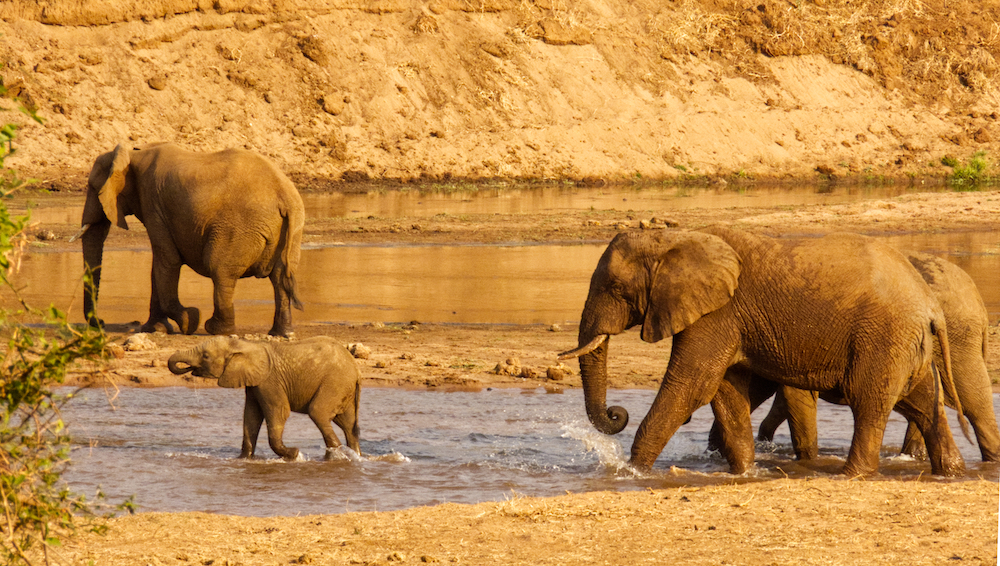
(967,322)
(317,377)
(844,314)
(226,215)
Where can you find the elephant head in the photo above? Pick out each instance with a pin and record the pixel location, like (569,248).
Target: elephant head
(663,280)
(235,363)
(110,197)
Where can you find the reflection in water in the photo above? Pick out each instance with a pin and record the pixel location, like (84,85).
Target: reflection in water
(510,199)
(175,449)
(543,284)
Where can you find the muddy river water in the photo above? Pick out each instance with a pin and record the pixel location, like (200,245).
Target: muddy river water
(175,448)
(522,284)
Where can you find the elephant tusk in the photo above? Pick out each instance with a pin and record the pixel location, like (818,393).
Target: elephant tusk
(80,233)
(584,350)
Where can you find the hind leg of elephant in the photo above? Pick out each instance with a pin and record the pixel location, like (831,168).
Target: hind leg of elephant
(925,409)
(348,422)
(801,407)
(223,320)
(282,325)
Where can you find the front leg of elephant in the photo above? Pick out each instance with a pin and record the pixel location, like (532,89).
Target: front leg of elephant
(253,417)
(731,407)
(694,376)
(164,302)
(276,413)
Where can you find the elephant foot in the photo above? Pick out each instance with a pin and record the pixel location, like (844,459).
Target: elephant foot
(290,455)
(219,328)
(154,326)
(282,331)
(95,322)
(188,321)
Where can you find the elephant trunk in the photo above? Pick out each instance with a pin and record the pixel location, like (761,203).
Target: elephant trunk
(93,252)
(183,361)
(594,374)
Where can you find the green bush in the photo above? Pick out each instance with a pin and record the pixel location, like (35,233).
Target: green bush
(972,174)
(38,509)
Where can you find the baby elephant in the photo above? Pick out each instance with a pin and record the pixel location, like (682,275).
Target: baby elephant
(317,377)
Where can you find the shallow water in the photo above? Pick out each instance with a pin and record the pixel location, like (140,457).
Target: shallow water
(175,449)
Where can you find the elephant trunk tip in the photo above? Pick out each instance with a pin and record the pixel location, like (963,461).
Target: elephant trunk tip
(616,422)
(179,367)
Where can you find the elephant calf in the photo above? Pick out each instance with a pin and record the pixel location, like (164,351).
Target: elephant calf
(316,377)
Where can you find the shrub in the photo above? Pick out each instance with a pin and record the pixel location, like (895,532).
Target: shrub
(38,509)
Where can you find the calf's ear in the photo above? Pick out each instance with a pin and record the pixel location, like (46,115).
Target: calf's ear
(247,365)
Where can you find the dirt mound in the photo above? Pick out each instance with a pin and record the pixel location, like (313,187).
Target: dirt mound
(615,90)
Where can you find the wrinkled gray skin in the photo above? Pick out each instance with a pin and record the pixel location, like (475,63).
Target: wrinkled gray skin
(316,377)
(967,334)
(226,215)
(843,314)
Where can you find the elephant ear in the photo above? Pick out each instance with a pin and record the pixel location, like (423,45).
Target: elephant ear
(247,365)
(114,185)
(693,275)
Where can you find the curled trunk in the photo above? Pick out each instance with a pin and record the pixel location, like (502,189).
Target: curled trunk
(183,361)
(594,373)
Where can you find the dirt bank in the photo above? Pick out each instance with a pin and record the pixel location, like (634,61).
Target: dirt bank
(807,522)
(608,90)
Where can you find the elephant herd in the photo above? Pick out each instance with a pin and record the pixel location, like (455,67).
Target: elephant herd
(842,317)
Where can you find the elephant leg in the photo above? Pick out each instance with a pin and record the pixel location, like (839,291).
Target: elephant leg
(976,394)
(165,278)
(800,406)
(731,406)
(775,416)
(323,422)
(253,417)
(282,325)
(348,422)
(276,417)
(690,382)
(223,320)
(760,390)
(913,442)
(925,408)
(158,320)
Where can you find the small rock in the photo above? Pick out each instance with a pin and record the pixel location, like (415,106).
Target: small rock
(528,373)
(359,350)
(157,83)
(45,235)
(115,350)
(555,328)
(396,557)
(558,373)
(333,105)
(304,559)
(381,364)
(138,342)
(510,366)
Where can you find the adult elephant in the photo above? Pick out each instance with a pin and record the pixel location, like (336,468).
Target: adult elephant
(967,321)
(843,314)
(226,215)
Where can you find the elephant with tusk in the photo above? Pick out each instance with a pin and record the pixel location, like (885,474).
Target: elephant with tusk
(843,314)
(317,377)
(226,215)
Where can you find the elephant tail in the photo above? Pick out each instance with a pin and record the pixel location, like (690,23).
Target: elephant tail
(294,221)
(356,428)
(946,378)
